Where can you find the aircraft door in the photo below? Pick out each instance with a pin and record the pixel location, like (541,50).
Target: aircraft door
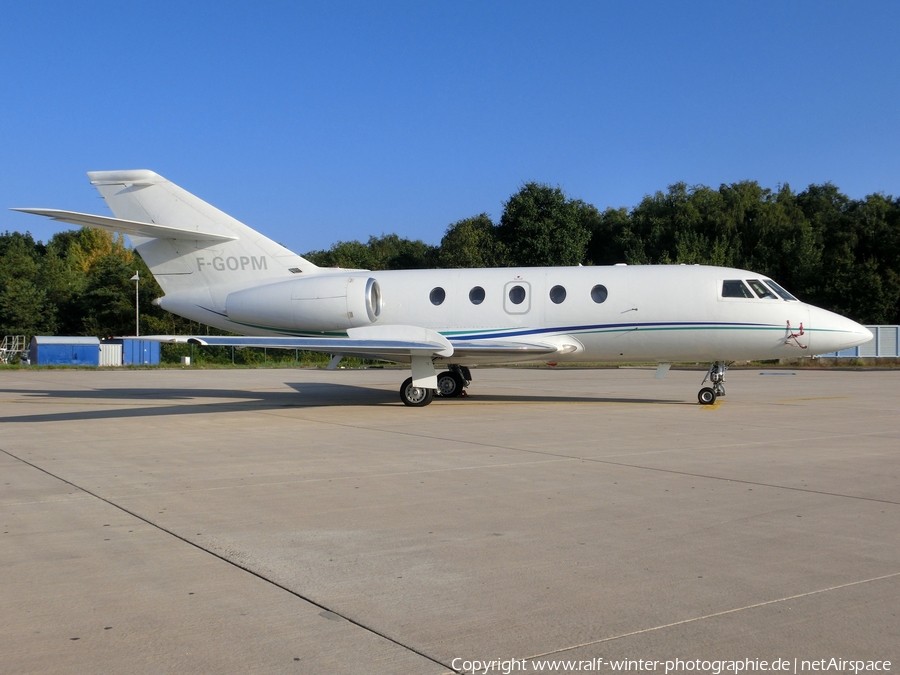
(517,297)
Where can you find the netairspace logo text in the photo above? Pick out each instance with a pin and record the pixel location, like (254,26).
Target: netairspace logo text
(676,666)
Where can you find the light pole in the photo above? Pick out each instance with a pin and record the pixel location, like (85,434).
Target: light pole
(137,312)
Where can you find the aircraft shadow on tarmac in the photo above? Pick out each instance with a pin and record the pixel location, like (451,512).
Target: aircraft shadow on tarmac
(305,395)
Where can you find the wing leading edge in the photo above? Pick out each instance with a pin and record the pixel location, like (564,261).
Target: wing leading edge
(388,343)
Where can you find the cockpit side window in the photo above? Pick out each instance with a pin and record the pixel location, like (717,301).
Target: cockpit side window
(735,288)
(761,289)
(778,289)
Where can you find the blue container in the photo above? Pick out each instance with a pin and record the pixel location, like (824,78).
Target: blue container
(137,352)
(64,351)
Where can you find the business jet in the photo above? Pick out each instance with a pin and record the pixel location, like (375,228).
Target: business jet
(215,270)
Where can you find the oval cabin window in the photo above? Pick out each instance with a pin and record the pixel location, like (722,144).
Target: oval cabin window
(557,294)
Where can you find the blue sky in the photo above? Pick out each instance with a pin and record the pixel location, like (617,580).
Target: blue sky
(315,122)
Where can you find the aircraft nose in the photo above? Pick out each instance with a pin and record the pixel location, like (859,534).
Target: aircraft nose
(834,333)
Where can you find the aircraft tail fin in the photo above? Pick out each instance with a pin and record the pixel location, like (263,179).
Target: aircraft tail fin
(187,243)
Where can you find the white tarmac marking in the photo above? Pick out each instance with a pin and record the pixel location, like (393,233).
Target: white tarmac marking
(713,615)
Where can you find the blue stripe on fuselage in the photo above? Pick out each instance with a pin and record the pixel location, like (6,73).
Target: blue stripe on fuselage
(603,327)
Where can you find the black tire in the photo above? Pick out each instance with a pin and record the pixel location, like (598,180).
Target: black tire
(450,384)
(416,397)
(707,396)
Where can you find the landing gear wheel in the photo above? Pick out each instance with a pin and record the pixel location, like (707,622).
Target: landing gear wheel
(716,376)
(707,396)
(416,397)
(450,384)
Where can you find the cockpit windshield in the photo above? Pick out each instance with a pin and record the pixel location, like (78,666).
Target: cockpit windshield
(740,288)
(778,289)
(761,289)
(735,288)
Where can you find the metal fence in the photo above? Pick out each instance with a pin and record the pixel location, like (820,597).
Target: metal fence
(13,347)
(885,344)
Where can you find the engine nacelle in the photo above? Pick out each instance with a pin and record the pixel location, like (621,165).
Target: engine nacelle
(315,304)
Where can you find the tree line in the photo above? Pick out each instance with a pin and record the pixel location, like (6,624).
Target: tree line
(839,253)
(832,251)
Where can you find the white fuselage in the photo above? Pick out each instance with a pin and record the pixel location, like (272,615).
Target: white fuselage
(217,271)
(659,313)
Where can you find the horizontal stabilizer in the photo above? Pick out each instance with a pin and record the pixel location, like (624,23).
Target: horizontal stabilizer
(150,230)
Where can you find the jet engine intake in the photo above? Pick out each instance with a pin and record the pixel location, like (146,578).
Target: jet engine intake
(315,304)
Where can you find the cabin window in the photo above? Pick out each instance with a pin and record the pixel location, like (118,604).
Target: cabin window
(599,293)
(476,295)
(778,289)
(437,295)
(557,294)
(735,288)
(517,295)
(761,289)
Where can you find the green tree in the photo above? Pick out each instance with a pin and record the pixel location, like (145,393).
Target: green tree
(471,242)
(345,254)
(610,231)
(20,257)
(860,258)
(387,252)
(24,307)
(778,241)
(683,225)
(828,249)
(541,226)
(392,252)
(107,304)
(25,310)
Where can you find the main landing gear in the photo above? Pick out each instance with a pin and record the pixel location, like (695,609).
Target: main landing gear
(451,384)
(416,397)
(715,375)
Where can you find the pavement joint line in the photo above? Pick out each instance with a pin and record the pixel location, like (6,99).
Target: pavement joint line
(49,501)
(79,401)
(505,447)
(746,482)
(622,464)
(340,478)
(633,466)
(599,401)
(713,615)
(177,407)
(750,444)
(222,558)
(811,398)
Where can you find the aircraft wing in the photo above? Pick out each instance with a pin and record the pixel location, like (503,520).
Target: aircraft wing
(134,227)
(375,342)
(369,342)
(366,349)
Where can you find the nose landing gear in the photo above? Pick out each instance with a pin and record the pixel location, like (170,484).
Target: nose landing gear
(715,375)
